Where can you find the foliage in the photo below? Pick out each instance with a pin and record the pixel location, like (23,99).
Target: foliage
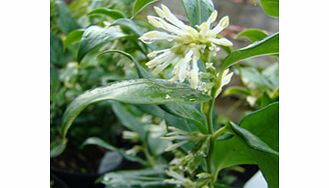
(100,51)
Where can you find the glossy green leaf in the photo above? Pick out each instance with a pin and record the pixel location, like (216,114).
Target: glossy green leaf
(139,5)
(252,34)
(99,142)
(198,11)
(94,37)
(185,111)
(267,46)
(271,7)
(264,124)
(134,178)
(114,14)
(139,91)
(252,140)
(73,37)
(128,24)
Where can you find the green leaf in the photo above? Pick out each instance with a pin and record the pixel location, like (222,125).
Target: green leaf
(56,50)
(253,78)
(73,37)
(114,14)
(198,11)
(139,5)
(142,73)
(128,24)
(271,7)
(65,20)
(57,147)
(263,124)
(252,34)
(139,91)
(94,37)
(129,120)
(171,119)
(252,140)
(236,90)
(99,142)
(267,46)
(54,82)
(272,74)
(134,178)
(189,112)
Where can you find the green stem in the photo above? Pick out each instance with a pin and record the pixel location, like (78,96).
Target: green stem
(215,135)
(219,132)
(148,156)
(211,131)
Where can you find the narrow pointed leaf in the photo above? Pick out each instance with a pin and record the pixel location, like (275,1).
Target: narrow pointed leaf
(139,5)
(262,124)
(114,14)
(135,178)
(99,142)
(251,140)
(188,112)
(252,34)
(128,120)
(73,37)
(271,7)
(129,24)
(236,90)
(142,73)
(94,37)
(267,46)
(139,91)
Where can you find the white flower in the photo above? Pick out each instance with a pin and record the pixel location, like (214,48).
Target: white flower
(189,44)
(226,78)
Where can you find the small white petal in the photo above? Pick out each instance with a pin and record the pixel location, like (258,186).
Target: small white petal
(152,36)
(194,80)
(204,29)
(182,66)
(222,24)
(212,17)
(157,52)
(159,12)
(168,15)
(221,41)
(161,67)
(167,56)
(154,22)
(226,79)
(166,26)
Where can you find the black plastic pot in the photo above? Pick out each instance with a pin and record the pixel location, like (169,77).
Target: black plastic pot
(109,162)
(57,182)
(76,180)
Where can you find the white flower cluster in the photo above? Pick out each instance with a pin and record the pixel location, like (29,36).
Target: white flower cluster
(189,44)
